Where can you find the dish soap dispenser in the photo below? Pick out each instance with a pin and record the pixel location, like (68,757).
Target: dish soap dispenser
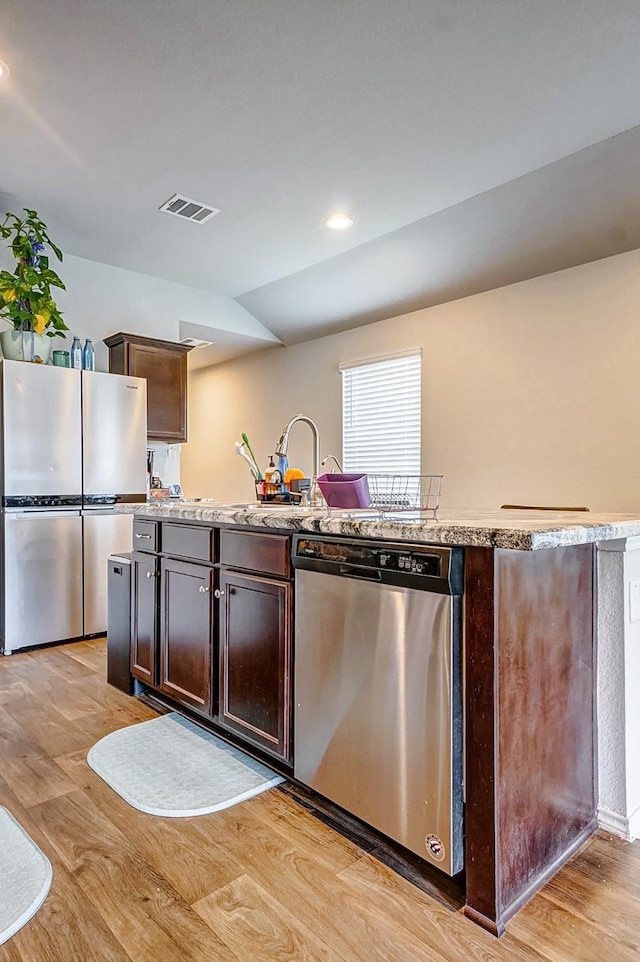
(269,470)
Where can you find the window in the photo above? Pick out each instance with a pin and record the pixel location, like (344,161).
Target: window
(381,407)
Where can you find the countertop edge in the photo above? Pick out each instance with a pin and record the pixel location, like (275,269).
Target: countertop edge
(492,529)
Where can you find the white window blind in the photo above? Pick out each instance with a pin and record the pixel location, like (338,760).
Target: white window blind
(381,405)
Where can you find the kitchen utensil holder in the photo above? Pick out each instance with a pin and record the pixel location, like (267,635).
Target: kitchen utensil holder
(277,493)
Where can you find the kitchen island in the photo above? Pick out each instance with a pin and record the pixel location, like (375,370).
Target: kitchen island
(529,660)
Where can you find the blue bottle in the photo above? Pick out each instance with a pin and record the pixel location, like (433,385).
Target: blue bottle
(76,354)
(88,356)
(283,465)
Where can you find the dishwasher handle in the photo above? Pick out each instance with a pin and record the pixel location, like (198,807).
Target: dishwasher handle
(366,574)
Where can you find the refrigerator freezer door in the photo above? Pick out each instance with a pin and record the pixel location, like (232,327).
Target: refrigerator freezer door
(43,577)
(41,429)
(114,435)
(105,534)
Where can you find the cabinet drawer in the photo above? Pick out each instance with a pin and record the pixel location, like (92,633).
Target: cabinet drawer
(187,541)
(267,553)
(145,535)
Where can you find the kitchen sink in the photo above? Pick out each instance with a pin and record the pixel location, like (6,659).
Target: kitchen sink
(247,505)
(361,514)
(356,514)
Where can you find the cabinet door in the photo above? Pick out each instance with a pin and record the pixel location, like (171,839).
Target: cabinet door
(166,374)
(255,660)
(185,633)
(144,617)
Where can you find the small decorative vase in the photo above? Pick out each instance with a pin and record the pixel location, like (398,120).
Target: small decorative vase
(25,346)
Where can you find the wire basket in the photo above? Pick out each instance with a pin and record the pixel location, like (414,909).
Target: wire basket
(277,493)
(391,493)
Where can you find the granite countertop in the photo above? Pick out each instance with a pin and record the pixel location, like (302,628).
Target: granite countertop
(523,530)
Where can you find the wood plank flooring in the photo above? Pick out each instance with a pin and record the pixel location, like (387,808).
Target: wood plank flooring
(264,881)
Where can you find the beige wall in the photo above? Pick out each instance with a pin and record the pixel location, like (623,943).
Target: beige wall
(530,393)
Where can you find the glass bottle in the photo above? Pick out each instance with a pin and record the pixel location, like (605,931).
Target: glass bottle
(76,354)
(88,356)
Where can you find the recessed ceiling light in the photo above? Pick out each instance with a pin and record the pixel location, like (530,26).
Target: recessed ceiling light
(4,71)
(339,221)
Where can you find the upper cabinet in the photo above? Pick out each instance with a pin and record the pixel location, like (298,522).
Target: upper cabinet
(164,365)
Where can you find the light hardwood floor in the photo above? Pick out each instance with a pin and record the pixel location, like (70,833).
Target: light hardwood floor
(261,882)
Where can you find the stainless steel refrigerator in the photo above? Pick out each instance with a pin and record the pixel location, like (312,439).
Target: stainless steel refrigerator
(73,445)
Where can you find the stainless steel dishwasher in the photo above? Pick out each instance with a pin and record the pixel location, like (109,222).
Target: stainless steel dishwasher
(378,687)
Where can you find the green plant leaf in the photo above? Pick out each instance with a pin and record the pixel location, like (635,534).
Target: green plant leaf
(31,283)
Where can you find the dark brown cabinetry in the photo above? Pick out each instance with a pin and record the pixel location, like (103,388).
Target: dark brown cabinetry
(255,659)
(144,620)
(254,617)
(269,554)
(226,653)
(189,541)
(186,632)
(164,365)
(145,536)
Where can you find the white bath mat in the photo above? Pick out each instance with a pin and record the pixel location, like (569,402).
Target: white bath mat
(25,876)
(169,766)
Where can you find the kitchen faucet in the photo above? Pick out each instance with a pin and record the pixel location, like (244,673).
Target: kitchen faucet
(315,497)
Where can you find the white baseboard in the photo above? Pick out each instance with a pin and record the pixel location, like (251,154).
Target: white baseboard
(626,826)
(634,824)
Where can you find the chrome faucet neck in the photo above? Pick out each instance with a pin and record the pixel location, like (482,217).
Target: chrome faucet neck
(282,448)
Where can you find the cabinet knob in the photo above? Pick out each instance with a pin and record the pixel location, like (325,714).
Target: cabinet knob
(151,574)
(143,537)
(218,594)
(203,589)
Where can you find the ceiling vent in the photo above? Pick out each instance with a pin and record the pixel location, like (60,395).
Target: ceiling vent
(195,342)
(189,209)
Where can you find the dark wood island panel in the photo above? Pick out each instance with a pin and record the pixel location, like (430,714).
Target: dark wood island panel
(530,684)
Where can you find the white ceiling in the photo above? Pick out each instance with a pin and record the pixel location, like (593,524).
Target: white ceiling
(278,111)
(576,210)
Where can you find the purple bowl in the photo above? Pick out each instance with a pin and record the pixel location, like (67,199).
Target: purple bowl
(345,490)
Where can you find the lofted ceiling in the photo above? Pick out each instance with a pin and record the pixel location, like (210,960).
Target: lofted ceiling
(459,134)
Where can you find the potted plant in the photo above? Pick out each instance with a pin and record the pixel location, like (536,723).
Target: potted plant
(25,295)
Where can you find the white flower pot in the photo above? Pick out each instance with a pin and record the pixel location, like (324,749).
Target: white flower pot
(25,346)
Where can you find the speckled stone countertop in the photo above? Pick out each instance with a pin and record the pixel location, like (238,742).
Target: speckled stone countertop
(523,530)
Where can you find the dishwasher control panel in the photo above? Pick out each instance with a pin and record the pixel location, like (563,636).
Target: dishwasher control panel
(431,568)
(418,564)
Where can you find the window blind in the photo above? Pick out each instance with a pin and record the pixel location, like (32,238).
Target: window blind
(381,408)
